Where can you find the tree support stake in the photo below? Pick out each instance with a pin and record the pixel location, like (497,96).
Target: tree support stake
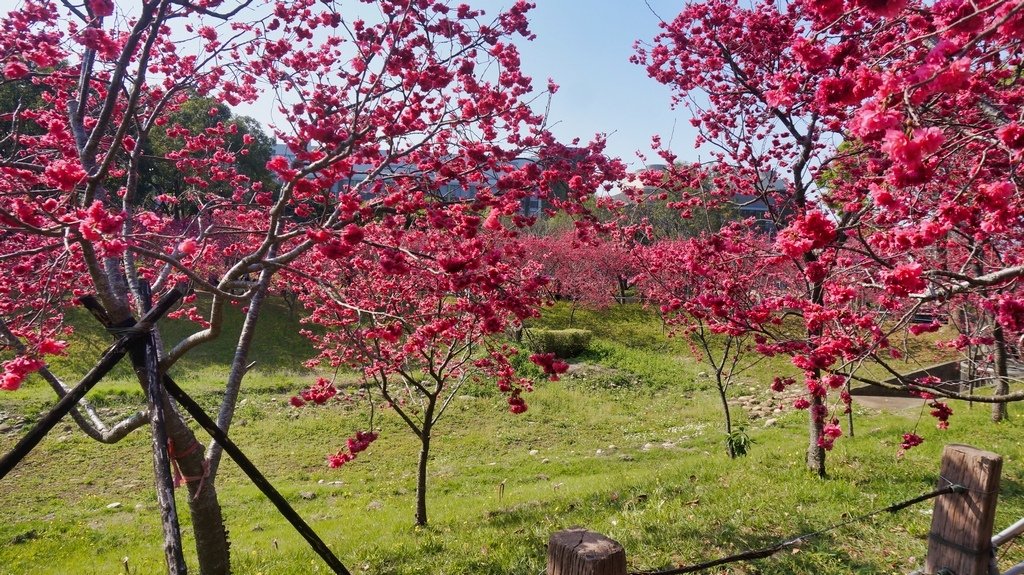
(107,361)
(162,464)
(254,474)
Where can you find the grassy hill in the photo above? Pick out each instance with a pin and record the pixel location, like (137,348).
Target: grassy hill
(629,444)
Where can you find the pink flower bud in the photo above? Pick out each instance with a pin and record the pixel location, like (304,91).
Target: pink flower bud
(188,247)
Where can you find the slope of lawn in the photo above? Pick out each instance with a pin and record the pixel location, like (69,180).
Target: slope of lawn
(629,444)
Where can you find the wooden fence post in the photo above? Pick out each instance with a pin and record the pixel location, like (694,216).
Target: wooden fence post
(960,540)
(582,552)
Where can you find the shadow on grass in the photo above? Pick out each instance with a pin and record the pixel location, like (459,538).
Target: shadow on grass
(525,528)
(277,345)
(822,553)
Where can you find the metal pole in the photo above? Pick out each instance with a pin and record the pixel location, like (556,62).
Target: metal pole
(1011,532)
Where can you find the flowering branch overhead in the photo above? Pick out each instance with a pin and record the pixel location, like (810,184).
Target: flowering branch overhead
(882,142)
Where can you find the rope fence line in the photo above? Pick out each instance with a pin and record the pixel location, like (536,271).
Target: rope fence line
(765,552)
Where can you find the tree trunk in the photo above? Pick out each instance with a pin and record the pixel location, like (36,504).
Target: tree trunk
(817,412)
(212,545)
(728,418)
(999,411)
(421,477)
(815,452)
(238,365)
(849,412)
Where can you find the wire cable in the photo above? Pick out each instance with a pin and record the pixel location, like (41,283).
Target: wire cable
(773,549)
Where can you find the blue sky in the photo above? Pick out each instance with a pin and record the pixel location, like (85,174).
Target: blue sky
(585,47)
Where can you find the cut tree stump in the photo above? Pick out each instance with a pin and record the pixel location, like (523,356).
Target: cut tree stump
(582,552)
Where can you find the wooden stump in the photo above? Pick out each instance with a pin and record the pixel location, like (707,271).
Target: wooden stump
(960,540)
(582,552)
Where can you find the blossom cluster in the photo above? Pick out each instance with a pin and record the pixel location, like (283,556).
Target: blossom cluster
(550,364)
(319,393)
(354,445)
(15,370)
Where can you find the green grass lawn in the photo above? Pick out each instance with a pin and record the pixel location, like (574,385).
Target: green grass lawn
(632,449)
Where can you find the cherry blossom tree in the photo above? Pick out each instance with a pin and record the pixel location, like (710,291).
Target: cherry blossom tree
(384,106)
(419,310)
(709,291)
(925,98)
(589,270)
(659,207)
(161,173)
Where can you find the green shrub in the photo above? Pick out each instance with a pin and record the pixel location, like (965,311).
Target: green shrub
(561,342)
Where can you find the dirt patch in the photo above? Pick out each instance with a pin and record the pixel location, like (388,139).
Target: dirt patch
(597,376)
(888,403)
